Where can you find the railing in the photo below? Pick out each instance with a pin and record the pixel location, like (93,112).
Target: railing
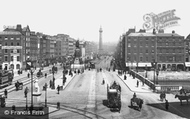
(156,88)
(143,79)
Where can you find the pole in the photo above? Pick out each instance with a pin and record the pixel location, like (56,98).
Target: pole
(26,103)
(154,75)
(46,95)
(31,89)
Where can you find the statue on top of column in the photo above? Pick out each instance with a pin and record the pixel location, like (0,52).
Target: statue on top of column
(77,44)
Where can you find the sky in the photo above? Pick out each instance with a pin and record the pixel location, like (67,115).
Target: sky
(81,19)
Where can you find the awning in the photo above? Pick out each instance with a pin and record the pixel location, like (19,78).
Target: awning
(187,64)
(130,64)
(140,64)
(143,64)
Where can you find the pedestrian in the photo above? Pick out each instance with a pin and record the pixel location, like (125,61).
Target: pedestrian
(134,95)
(45,75)
(25,92)
(5,93)
(125,77)
(167,104)
(137,83)
(58,88)
(50,83)
(28,75)
(103,81)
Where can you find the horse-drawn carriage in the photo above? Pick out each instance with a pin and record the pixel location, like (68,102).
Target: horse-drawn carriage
(19,85)
(183,94)
(114,97)
(136,103)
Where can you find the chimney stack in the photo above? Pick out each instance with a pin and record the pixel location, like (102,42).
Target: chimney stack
(19,27)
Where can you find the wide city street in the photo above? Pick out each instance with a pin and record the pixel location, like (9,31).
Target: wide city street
(84,96)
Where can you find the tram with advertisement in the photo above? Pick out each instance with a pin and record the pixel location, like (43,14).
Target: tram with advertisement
(6,78)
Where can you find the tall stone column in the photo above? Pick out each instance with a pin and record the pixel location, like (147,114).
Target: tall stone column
(100,41)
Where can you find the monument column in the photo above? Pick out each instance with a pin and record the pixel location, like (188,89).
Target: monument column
(100,41)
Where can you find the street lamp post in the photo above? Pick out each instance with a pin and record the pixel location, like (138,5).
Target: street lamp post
(26,92)
(154,68)
(53,78)
(45,94)
(146,71)
(31,70)
(157,73)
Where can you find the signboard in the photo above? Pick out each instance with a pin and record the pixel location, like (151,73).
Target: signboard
(11,47)
(160,21)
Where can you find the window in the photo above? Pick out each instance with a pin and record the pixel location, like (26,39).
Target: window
(141,58)
(11,50)
(129,44)
(27,44)
(18,66)
(18,44)
(152,51)
(146,58)
(6,38)
(12,38)
(27,39)
(146,50)
(6,50)
(18,58)
(17,38)
(6,58)
(18,51)
(11,43)
(5,43)
(11,58)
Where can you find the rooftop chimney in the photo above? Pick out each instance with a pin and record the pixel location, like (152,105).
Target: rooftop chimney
(19,27)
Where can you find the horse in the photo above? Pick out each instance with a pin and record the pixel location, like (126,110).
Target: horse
(182,97)
(136,103)
(162,96)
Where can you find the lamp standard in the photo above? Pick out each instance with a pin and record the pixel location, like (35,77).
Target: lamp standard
(53,68)
(146,71)
(26,92)
(45,94)
(154,63)
(157,73)
(32,71)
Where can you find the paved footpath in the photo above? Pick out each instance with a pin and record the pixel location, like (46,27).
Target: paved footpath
(132,84)
(53,92)
(23,78)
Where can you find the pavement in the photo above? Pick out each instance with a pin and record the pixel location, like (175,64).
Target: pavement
(132,84)
(24,79)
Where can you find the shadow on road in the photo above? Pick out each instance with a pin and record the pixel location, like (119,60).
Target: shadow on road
(175,108)
(105,103)
(134,108)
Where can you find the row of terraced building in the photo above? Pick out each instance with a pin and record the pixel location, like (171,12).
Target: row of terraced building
(145,50)
(17,44)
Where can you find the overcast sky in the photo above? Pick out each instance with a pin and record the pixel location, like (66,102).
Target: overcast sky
(83,18)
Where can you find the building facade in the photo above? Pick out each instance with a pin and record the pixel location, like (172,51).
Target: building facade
(11,49)
(166,50)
